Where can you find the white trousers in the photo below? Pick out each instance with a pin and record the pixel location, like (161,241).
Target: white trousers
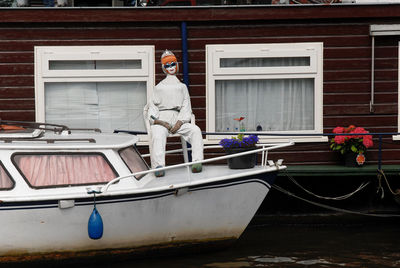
(190,132)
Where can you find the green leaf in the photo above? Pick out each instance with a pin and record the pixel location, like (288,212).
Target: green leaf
(354,148)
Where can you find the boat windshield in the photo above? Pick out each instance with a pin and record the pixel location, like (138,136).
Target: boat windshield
(133,160)
(46,170)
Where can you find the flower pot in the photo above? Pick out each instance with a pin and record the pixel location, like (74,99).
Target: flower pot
(352,159)
(241,162)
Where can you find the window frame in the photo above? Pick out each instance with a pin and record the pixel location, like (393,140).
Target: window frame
(60,154)
(45,54)
(127,165)
(2,166)
(214,72)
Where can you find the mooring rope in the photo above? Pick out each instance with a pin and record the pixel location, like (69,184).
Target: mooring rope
(333,208)
(381,175)
(362,186)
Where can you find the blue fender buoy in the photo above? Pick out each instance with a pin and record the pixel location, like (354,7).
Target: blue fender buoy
(95,225)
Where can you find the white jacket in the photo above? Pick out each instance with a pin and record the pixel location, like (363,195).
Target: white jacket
(170,101)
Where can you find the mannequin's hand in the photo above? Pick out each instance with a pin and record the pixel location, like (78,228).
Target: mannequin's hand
(176,127)
(163,123)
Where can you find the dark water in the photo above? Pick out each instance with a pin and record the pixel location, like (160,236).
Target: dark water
(347,243)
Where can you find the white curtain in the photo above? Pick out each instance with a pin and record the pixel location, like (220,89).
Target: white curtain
(272,104)
(104,105)
(264,62)
(94,64)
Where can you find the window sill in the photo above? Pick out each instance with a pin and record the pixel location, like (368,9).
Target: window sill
(396,137)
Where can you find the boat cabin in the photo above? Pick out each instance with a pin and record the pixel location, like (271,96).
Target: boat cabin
(64,159)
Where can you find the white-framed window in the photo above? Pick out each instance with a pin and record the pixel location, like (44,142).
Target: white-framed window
(277,88)
(102,87)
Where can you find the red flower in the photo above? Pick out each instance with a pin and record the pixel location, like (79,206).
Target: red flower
(367,141)
(355,143)
(338,130)
(340,139)
(350,128)
(358,130)
(239,119)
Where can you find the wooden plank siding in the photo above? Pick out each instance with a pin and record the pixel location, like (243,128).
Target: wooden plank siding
(343,29)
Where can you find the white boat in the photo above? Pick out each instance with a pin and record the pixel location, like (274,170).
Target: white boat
(50,182)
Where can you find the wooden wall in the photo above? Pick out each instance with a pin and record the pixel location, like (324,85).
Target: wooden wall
(344,30)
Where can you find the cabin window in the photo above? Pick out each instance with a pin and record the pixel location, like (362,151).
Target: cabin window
(277,88)
(46,170)
(103,87)
(6,183)
(133,160)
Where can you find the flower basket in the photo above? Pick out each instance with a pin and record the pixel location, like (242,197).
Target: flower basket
(352,142)
(351,159)
(243,161)
(237,145)
(240,144)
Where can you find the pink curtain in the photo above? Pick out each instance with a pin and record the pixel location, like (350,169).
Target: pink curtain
(133,160)
(51,170)
(5,181)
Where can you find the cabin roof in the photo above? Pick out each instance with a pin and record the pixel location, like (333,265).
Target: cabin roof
(74,140)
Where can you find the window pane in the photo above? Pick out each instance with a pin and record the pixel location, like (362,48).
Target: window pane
(71,169)
(5,181)
(104,105)
(272,104)
(94,64)
(133,160)
(264,62)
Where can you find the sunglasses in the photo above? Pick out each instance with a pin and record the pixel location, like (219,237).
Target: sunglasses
(168,65)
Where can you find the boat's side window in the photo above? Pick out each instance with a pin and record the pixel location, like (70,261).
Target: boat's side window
(133,160)
(6,183)
(46,170)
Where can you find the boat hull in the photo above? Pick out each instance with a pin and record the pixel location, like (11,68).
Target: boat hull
(212,212)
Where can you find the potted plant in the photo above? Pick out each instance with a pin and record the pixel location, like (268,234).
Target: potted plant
(351,145)
(238,144)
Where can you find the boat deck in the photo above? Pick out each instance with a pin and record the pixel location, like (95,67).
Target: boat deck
(184,176)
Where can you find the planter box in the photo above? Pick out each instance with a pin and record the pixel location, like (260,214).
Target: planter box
(352,159)
(241,162)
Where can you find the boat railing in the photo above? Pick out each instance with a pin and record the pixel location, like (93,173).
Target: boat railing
(57,128)
(264,150)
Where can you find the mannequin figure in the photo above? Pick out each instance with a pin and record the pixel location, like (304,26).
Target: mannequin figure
(170,111)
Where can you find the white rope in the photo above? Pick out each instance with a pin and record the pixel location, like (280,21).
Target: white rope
(382,174)
(333,208)
(362,186)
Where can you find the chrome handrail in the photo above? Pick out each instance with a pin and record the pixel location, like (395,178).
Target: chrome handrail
(214,159)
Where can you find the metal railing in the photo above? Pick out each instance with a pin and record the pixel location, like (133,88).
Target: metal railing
(264,151)
(292,135)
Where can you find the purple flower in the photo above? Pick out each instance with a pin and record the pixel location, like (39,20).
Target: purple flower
(234,142)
